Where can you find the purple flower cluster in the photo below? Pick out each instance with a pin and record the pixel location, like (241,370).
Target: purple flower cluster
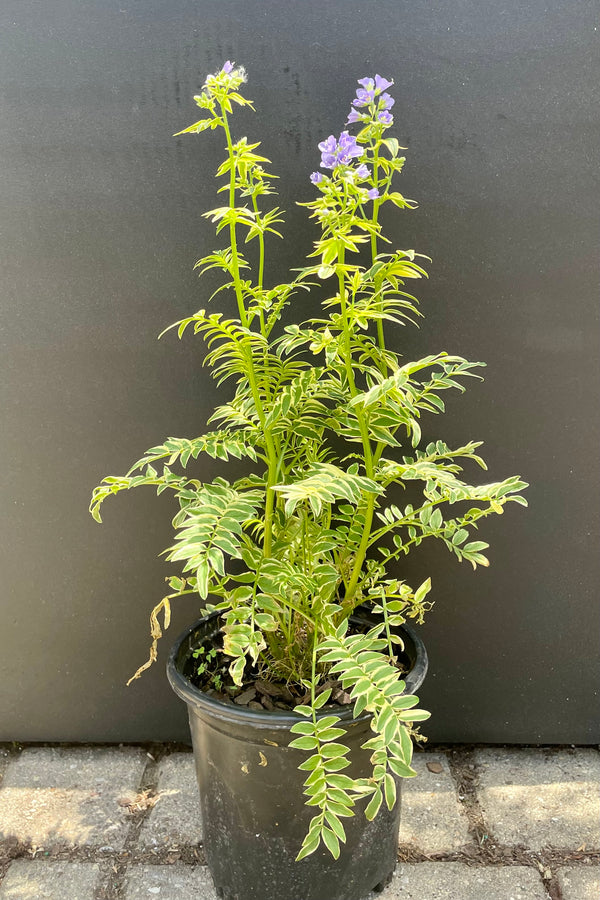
(372,88)
(339,152)
(360,173)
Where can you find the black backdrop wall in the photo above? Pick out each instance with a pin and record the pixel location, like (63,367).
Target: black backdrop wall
(101,224)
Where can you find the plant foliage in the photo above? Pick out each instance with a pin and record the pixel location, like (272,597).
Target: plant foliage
(328,416)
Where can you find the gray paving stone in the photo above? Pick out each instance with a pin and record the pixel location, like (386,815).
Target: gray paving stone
(176,882)
(175,818)
(581,883)
(43,880)
(54,797)
(540,798)
(432,818)
(455,881)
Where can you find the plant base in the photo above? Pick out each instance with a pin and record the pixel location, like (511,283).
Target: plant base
(253,808)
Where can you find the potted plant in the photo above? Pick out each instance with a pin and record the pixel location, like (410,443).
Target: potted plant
(300,675)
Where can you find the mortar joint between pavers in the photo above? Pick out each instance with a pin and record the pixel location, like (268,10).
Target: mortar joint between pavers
(464,772)
(113,873)
(4,869)
(552,888)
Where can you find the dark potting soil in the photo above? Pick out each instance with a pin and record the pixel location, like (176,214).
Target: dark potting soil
(211,676)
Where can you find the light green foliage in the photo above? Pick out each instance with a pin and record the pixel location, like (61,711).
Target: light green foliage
(323,484)
(326,786)
(211,527)
(375,686)
(219,445)
(329,417)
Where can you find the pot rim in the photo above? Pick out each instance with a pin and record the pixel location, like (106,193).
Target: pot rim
(277,718)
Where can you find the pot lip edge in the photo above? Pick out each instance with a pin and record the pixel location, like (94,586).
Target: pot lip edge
(277,719)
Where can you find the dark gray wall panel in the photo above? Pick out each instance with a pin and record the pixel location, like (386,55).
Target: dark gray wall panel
(100,223)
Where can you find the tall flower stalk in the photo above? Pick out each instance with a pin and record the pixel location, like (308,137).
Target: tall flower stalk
(328,416)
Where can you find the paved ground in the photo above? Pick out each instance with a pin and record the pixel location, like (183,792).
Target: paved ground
(122,823)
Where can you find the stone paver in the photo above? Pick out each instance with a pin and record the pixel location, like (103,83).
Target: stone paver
(57,798)
(49,880)
(432,818)
(52,797)
(541,799)
(581,883)
(455,881)
(175,819)
(176,882)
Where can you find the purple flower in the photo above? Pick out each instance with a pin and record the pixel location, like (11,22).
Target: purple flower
(353,116)
(227,68)
(348,148)
(316,177)
(364,97)
(373,194)
(382,84)
(362,171)
(340,152)
(386,102)
(377,84)
(385,117)
(328,150)
(366,94)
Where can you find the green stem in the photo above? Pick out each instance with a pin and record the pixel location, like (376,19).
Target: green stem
(376,204)
(362,549)
(269,508)
(313,681)
(261,265)
(406,520)
(304,537)
(271,453)
(369,468)
(387,627)
(232,231)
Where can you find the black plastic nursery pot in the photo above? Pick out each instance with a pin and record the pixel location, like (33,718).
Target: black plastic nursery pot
(253,809)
